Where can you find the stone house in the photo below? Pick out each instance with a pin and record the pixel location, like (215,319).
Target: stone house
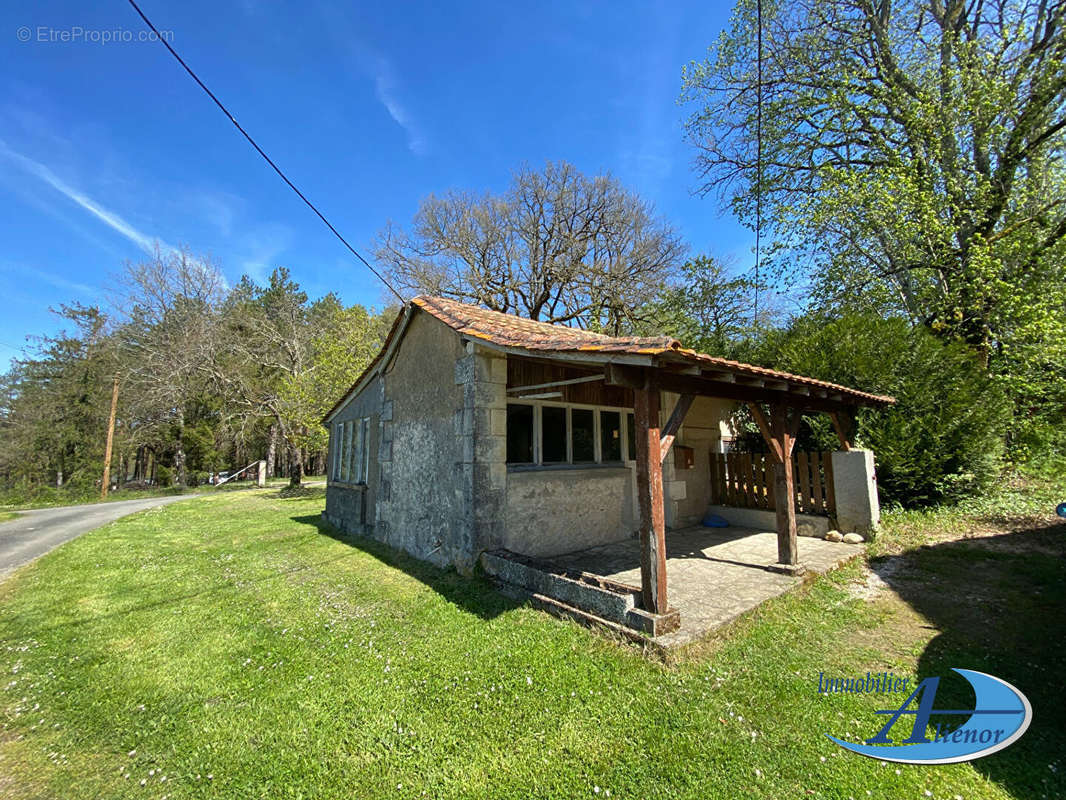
(474,431)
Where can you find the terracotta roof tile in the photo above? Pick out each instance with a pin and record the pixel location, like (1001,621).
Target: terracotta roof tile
(507,330)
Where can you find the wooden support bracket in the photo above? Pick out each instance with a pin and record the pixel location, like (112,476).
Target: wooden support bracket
(677,416)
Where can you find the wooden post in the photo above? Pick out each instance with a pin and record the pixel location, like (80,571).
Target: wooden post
(784,488)
(110,439)
(650,497)
(780,435)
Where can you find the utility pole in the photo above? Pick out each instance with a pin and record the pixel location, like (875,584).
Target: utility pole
(110,438)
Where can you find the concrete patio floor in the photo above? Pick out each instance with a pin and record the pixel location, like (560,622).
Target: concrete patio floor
(713,574)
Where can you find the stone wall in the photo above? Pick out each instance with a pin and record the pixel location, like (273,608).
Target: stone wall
(687,492)
(480,425)
(349,507)
(418,507)
(553,511)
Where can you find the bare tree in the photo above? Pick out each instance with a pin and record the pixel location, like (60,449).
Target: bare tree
(168,337)
(557,246)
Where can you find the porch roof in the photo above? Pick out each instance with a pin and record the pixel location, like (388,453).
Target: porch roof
(704,373)
(678,368)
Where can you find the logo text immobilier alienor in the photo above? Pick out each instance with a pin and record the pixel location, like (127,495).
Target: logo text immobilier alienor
(1001,714)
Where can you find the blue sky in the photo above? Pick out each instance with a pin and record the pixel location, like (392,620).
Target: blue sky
(108,147)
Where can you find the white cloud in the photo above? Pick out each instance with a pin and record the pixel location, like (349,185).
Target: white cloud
(385,88)
(109,218)
(260,249)
(55,280)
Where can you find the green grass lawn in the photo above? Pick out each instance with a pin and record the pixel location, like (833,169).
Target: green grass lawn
(230,646)
(50,497)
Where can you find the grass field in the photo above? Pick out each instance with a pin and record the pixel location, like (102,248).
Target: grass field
(50,497)
(230,647)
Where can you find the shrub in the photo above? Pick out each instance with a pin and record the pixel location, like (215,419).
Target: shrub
(943,440)
(164,476)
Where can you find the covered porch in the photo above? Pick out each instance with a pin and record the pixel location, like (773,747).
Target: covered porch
(777,402)
(716,574)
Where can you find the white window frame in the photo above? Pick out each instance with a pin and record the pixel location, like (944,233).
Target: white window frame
(334,450)
(538,434)
(351,451)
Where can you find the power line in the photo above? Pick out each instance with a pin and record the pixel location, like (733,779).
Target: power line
(758,160)
(259,149)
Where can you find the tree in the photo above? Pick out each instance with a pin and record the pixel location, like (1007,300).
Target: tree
(914,149)
(168,340)
(943,438)
(342,343)
(53,418)
(556,246)
(711,310)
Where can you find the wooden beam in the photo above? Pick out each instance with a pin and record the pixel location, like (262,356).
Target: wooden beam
(650,497)
(842,430)
(623,375)
(677,416)
(767,434)
(569,382)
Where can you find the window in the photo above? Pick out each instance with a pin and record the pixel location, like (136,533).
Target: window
(610,436)
(553,427)
(519,434)
(583,435)
(351,451)
(549,434)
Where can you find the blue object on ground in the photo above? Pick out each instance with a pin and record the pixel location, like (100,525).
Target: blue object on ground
(715,521)
(1061,510)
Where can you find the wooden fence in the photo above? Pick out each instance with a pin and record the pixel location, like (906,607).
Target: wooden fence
(746,480)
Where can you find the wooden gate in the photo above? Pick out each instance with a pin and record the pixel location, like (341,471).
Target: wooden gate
(746,480)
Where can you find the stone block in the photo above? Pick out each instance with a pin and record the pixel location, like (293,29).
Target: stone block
(491,449)
(853,538)
(855,485)
(498,422)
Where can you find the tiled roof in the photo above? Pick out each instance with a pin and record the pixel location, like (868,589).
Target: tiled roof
(507,330)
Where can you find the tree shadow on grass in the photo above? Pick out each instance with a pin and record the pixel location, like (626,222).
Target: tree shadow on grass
(1000,604)
(475,595)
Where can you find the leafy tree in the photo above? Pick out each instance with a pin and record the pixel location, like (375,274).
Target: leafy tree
(54,405)
(913,149)
(557,246)
(709,309)
(342,344)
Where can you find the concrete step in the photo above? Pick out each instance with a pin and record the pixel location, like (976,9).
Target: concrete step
(579,595)
(578,590)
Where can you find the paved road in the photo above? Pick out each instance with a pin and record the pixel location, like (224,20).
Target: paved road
(36,532)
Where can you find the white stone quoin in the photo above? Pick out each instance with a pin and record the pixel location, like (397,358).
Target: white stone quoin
(855,485)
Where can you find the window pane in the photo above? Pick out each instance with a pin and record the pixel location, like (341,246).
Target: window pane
(366,449)
(610,436)
(553,424)
(519,434)
(631,431)
(581,420)
(357,452)
(346,449)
